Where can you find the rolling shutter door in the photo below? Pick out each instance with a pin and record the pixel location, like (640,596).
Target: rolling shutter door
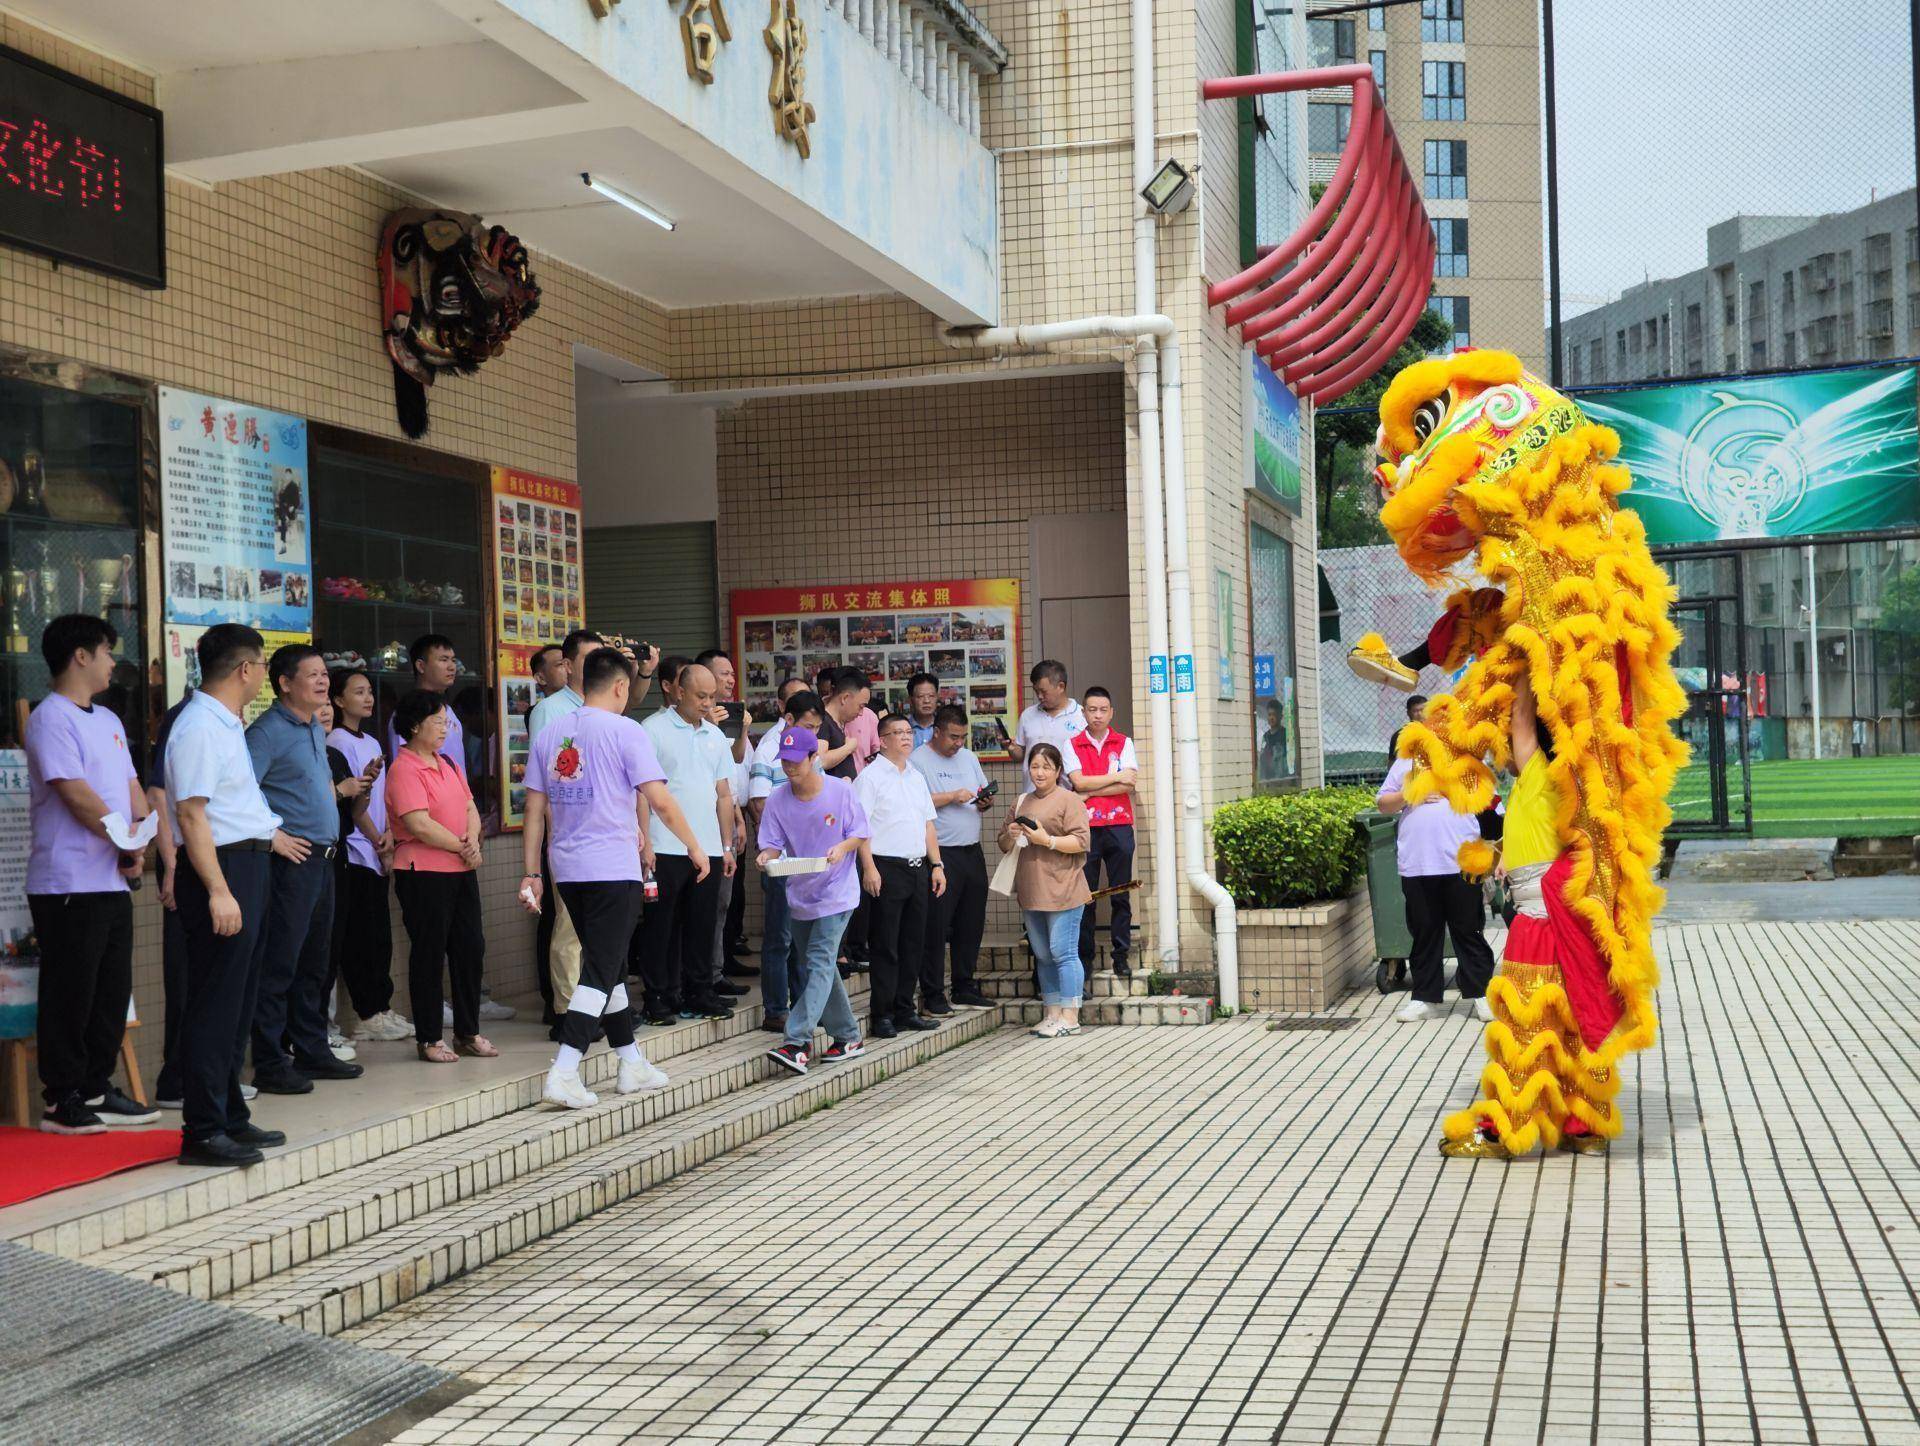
(658,584)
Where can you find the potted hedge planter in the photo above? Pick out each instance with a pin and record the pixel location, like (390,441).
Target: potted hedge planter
(1296,864)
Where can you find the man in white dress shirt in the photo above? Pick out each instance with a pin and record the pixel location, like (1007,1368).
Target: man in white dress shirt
(901,870)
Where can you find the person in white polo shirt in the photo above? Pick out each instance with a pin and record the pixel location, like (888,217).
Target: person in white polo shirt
(901,870)
(1439,899)
(1053,718)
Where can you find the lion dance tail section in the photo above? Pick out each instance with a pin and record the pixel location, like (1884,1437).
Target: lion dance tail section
(1501,459)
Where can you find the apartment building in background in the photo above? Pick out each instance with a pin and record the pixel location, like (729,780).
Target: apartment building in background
(1462,84)
(1777,293)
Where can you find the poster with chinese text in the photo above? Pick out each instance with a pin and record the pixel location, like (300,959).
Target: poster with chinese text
(17,947)
(236,520)
(181,663)
(966,633)
(538,599)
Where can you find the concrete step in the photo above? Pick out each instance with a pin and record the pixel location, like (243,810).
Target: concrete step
(405,1259)
(1151,1009)
(200,1193)
(211,1256)
(1101,984)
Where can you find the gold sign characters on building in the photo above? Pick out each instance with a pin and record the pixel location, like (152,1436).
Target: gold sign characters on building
(703,29)
(601,8)
(787,38)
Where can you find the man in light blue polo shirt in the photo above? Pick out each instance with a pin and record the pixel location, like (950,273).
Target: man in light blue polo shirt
(959,916)
(226,835)
(289,751)
(676,934)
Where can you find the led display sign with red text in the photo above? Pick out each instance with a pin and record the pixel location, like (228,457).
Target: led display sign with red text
(80,172)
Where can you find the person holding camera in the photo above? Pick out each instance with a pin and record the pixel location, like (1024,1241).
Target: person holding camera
(1049,827)
(958,917)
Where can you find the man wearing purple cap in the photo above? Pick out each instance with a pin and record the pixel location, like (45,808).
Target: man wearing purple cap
(815,816)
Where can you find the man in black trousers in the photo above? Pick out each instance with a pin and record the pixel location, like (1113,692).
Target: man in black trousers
(901,870)
(958,918)
(227,838)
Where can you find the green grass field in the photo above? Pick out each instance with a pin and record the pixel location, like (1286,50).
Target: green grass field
(1801,798)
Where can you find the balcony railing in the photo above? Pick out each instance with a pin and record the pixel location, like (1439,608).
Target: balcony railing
(942,50)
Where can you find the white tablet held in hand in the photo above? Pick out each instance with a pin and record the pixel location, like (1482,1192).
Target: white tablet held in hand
(781,868)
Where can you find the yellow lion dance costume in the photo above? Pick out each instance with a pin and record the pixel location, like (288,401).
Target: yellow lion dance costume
(1482,460)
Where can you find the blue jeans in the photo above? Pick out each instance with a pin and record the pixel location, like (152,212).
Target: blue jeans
(780,966)
(1055,937)
(821,999)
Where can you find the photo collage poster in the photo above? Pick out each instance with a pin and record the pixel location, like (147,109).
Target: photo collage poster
(964,632)
(538,599)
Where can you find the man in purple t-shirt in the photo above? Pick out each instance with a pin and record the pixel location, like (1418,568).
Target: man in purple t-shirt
(815,816)
(583,773)
(79,771)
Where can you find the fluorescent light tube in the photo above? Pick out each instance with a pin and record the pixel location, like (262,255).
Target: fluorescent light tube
(638,207)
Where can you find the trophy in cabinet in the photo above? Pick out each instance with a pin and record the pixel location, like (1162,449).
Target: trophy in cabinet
(19,599)
(105,576)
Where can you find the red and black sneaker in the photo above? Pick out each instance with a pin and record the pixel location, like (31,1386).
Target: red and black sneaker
(791,1055)
(842,1049)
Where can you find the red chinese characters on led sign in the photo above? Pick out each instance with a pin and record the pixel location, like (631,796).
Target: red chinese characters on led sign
(80,172)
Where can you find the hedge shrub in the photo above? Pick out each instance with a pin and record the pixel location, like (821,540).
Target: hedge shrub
(1282,850)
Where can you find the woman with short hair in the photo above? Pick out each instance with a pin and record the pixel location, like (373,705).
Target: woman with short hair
(1049,828)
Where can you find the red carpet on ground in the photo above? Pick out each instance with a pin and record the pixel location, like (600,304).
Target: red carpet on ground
(33,1163)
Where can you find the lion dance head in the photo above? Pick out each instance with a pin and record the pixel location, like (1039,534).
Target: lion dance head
(453,289)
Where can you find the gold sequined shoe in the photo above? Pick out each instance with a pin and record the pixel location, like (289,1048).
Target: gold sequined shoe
(1475,1147)
(1587,1144)
(1371,660)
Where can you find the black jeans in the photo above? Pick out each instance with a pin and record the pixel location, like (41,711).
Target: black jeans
(173,979)
(86,979)
(543,937)
(897,933)
(290,1012)
(223,979)
(1111,847)
(737,910)
(604,915)
(958,918)
(442,915)
(676,936)
(362,939)
(1439,904)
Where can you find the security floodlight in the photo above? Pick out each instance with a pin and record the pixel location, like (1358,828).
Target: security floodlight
(1170,191)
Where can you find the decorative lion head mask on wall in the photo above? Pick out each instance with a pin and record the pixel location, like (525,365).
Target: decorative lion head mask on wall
(452,291)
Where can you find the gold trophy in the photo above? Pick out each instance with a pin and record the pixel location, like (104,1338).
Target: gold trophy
(103,574)
(19,588)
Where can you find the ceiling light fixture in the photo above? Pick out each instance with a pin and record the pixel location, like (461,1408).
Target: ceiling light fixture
(638,207)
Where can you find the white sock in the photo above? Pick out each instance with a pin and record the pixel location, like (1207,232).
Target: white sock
(567,1059)
(630,1052)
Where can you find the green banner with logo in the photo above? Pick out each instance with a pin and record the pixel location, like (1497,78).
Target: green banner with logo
(1779,456)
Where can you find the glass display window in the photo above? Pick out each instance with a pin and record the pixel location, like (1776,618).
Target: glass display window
(1276,705)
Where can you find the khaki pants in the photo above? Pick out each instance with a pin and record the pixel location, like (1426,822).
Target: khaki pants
(563,955)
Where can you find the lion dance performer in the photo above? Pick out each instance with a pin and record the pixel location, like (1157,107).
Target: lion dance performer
(1569,686)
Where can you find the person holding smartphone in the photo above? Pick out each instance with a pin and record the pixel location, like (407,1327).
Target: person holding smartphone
(958,918)
(362,921)
(1049,827)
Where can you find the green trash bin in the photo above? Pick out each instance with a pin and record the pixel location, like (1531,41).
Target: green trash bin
(1392,939)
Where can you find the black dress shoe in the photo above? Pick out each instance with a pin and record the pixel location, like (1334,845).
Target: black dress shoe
(882,1029)
(727,989)
(972,998)
(252,1134)
(327,1069)
(218,1150)
(936,1008)
(916,1021)
(282,1082)
(1120,969)
(739,971)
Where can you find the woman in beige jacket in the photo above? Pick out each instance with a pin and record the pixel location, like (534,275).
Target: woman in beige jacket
(1050,884)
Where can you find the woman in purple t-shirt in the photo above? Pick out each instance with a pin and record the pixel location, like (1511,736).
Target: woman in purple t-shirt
(815,816)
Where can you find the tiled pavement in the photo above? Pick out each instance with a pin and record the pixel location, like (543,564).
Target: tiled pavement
(1238,1233)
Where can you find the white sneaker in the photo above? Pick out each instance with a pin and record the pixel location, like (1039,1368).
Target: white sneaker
(337,1043)
(1414,1010)
(1482,1010)
(566,1089)
(382,1028)
(248,1092)
(638,1075)
(401,1026)
(491,1010)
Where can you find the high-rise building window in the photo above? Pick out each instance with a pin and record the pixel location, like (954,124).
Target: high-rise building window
(1377,18)
(1443,90)
(1378,60)
(1446,167)
(1440,20)
(1450,235)
(1457,312)
(1330,42)
(1327,126)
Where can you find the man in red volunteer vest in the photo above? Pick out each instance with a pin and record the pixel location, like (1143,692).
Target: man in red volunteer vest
(1102,769)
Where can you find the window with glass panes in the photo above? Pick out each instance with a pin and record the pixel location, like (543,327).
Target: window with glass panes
(1378,60)
(1273,189)
(1450,236)
(1376,18)
(1330,42)
(1458,313)
(1442,21)
(1443,90)
(1446,168)
(1276,708)
(1327,126)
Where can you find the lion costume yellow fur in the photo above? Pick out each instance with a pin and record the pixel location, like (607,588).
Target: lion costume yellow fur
(1482,461)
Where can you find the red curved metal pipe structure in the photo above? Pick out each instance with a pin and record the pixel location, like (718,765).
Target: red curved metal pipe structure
(1328,306)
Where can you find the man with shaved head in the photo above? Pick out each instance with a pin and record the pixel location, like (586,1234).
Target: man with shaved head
(676,934)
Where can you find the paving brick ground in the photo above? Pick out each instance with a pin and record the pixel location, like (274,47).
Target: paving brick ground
(1244,1234)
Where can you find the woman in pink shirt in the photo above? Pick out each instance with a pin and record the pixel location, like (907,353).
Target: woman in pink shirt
(436,832)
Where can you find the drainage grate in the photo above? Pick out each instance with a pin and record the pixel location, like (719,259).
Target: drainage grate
(1309,1022)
